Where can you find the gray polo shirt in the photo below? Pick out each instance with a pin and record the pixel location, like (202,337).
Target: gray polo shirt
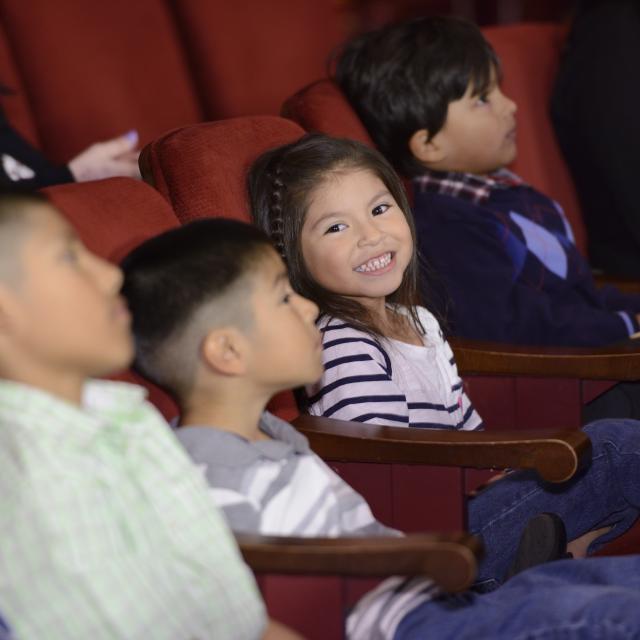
(277,486)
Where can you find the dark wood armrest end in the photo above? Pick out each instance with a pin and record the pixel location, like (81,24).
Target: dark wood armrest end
(602,363)
(448,559)
(556,455)
(626,285)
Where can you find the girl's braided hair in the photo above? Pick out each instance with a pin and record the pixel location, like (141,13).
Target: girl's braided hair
(276,219)
(280,184)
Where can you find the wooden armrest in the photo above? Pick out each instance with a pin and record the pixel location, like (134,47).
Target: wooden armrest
(626,285)
(448,559)
(602,363)
(555,455)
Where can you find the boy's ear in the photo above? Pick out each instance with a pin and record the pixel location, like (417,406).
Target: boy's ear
(425,151)
(225,351)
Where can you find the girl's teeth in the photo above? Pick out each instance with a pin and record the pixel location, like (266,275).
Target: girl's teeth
(375,264)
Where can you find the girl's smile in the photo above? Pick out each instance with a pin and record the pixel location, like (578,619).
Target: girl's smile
(378,265)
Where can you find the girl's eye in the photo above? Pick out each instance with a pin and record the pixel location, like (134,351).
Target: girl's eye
(483,98)
(335,228)
(286,298)
(381,208)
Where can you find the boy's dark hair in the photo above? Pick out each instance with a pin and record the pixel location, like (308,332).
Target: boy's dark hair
(281,182)
(169,278)
(401,78)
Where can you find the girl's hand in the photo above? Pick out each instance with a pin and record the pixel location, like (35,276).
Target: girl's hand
(115,157)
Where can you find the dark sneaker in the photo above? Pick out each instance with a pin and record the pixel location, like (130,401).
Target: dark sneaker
(544,539)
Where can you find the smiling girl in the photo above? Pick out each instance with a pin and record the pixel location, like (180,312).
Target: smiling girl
(338,215)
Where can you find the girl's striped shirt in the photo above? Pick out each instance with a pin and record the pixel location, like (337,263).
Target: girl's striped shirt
(388,382)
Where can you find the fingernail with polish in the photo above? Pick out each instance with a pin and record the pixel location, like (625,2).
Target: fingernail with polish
(132,136)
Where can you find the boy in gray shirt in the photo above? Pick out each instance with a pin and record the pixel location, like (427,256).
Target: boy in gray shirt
(217,324)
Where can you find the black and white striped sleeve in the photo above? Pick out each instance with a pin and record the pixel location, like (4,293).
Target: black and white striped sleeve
(357,382)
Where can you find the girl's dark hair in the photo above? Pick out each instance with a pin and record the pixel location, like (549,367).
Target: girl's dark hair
(281,182)
(401,78)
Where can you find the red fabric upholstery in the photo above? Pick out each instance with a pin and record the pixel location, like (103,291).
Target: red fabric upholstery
(322,107)
(201,169)
(530,54)
(247,57)
(113,216)
(93,70)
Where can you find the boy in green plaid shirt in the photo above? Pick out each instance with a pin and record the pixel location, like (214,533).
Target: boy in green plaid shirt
(106,528)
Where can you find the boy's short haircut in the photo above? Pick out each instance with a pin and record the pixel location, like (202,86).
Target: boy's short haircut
(401,78)
(172,283)
(14,203)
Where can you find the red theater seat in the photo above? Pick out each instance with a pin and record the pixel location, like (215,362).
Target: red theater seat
(322,107)
(247,57)
(201,169)
(93,70)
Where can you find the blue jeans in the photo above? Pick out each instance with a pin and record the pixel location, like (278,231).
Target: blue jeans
(598,598)
(606,493)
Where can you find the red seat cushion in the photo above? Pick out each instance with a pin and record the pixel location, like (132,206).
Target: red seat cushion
(94,70)
(202,169)
(113,216)
(322,107)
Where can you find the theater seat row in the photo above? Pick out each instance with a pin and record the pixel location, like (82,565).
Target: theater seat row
(86,71)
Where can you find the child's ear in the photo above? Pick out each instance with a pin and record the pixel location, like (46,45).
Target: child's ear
(225,351)
(426,151)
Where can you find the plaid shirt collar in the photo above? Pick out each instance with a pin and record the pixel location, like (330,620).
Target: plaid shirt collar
(468,186)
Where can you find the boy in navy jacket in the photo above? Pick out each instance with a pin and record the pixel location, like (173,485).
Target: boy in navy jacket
(428,92)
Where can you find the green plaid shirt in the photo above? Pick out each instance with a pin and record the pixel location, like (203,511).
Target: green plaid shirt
(107,530)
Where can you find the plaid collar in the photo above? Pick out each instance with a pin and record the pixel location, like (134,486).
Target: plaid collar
(468,186)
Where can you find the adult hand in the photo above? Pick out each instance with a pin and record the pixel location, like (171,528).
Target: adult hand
(115,157)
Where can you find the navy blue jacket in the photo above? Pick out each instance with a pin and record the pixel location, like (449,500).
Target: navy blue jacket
(512,272)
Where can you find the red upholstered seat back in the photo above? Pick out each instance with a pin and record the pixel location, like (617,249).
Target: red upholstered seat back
(93,70)
(247,57)
(113,216)
(322,107)
(530,54)
(201,169)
